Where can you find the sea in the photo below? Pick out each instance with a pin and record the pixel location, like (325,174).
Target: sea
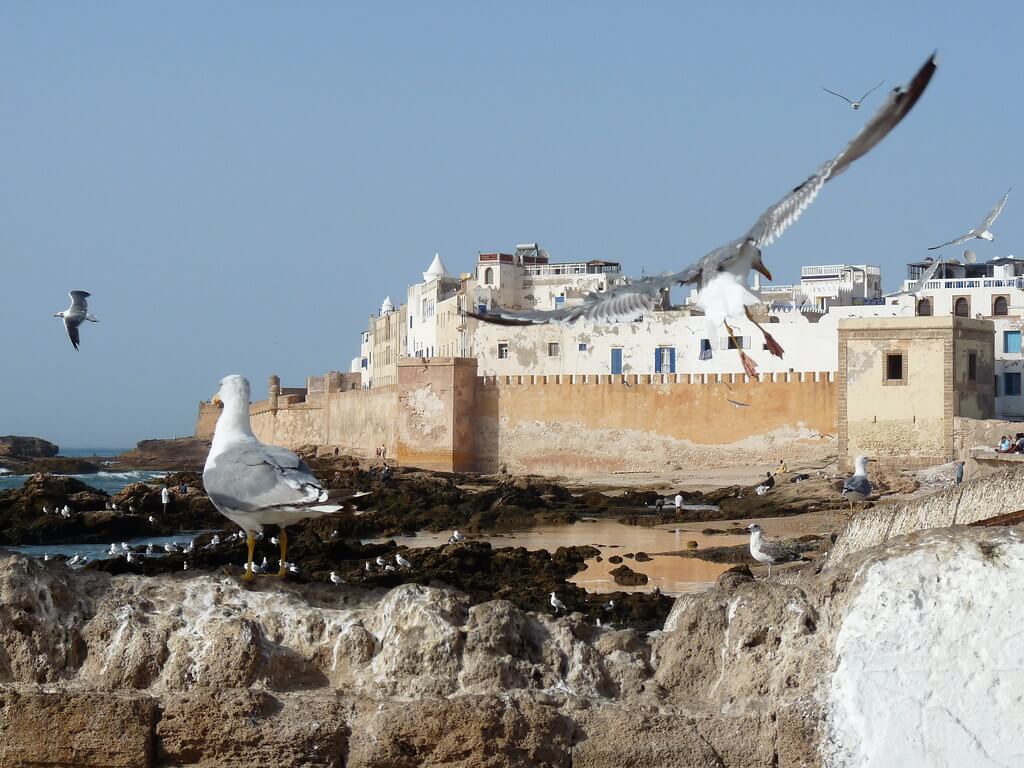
(108,482)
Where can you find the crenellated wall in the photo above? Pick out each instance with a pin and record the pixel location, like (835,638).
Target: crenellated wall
(442,416)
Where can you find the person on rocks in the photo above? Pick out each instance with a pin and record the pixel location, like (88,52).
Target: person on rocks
(679,500)
(959,472)
(782,468)
(165,498)
(659,504)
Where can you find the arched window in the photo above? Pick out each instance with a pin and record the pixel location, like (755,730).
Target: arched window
(924,308)
(488,276)
(1000,307)
(962,307)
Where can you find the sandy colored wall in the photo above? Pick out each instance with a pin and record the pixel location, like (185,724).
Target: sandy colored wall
(207,420)
(597,424)
(358,421)
(435,403)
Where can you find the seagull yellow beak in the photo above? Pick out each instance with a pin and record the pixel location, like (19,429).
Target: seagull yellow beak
(215,400)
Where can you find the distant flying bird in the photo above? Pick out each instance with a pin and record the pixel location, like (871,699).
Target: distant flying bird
(737,403)
(855,104)
(722,275)
(980,232)
(76,314)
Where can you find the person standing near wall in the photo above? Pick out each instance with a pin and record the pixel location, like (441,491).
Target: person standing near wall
(959,472)
(679,500)
(165,498)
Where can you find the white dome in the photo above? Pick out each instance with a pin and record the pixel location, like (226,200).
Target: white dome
(387,306)
(436,269)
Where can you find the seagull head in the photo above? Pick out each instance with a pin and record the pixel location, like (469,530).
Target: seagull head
(861,462)
(234,390)
(59,314)
(754,528)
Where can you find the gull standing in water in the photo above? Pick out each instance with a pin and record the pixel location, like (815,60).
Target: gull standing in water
(857,487)
(721,276)
(772,551)
(855,104)
(254,484)
(76,314)
(980,232)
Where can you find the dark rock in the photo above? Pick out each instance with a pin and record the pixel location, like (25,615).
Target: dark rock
(615,559)
(18,447)
(177,454)
(643,557)
(626,577)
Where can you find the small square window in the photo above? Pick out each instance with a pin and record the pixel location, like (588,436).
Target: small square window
(503,350)
(705,349)
(972,366)
(1011,384)
(583,347)
(552,349)
(737,343)
(894,368)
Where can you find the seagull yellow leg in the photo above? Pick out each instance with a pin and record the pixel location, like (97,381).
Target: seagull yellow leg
(284,550)
(249,575)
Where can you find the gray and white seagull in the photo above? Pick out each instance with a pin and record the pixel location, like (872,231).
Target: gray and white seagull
(857,487)
(773,551)
(721,276)
(76,314)
(254,484)
(855,104)
(982,231)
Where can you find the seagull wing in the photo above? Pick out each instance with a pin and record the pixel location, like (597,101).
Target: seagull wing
(72,332)
(928,275)
(633,298)
(252,476)
(837,94)
(871,91)
(778,218)
(858,484)
(994,213)
(78,300)
(962,239)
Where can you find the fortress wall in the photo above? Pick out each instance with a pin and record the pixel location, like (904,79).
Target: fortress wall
(574,425)
(360,420)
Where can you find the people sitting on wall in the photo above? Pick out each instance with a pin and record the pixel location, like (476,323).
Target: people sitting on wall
(782,468)
(1004,444)
(765,486)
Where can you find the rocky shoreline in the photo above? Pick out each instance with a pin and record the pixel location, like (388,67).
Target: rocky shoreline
(196,669)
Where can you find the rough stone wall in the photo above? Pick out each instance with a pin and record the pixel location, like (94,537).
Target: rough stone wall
(996,494)
(361,420)
(436,401)
(207,420)
(578,425)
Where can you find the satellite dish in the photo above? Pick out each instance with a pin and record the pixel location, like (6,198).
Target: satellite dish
(970,257)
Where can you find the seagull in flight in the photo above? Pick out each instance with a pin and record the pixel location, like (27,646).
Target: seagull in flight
(980,232)
(76,314)
(721,276)
(917,290)
(855,104)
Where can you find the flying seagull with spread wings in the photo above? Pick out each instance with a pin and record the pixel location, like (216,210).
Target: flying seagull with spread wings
(76,314)
(721,276)
(980,232)
(917,289)
(855,104)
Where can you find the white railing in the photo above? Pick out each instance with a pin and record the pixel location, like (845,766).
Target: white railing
(964,283)
(835,269)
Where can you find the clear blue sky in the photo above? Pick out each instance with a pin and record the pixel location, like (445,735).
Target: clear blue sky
(240,184)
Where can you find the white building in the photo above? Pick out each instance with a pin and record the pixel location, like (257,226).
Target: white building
(829,285)
(993,290)
(424,300)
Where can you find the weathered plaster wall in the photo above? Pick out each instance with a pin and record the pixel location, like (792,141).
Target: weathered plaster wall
(434,412)
(579,425)
(207,420)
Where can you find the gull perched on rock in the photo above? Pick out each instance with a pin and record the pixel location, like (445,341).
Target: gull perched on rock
(254,484)
(721,276)
(557,604)
(982,231)
(336,579)
(772,551)
(855,104)
(857,487)
(402,561)
(76,314)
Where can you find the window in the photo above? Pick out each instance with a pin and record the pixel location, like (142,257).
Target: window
(559,301)
(503,350)
(616,360)
(552,349)
(924,308)
(489,276)
(895,368)
(739,342)
(583,347)
(362,363)
(665,360)
(1011,384)
(962,307)
(1011,342)
(1000,306)
(705,349)
(972,366)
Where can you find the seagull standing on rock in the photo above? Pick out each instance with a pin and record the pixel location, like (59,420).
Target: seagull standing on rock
(857,487)
(721,277)
(402,561)
(254,484)
(772,551)
(336,579)
(456,538)
(557,604)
